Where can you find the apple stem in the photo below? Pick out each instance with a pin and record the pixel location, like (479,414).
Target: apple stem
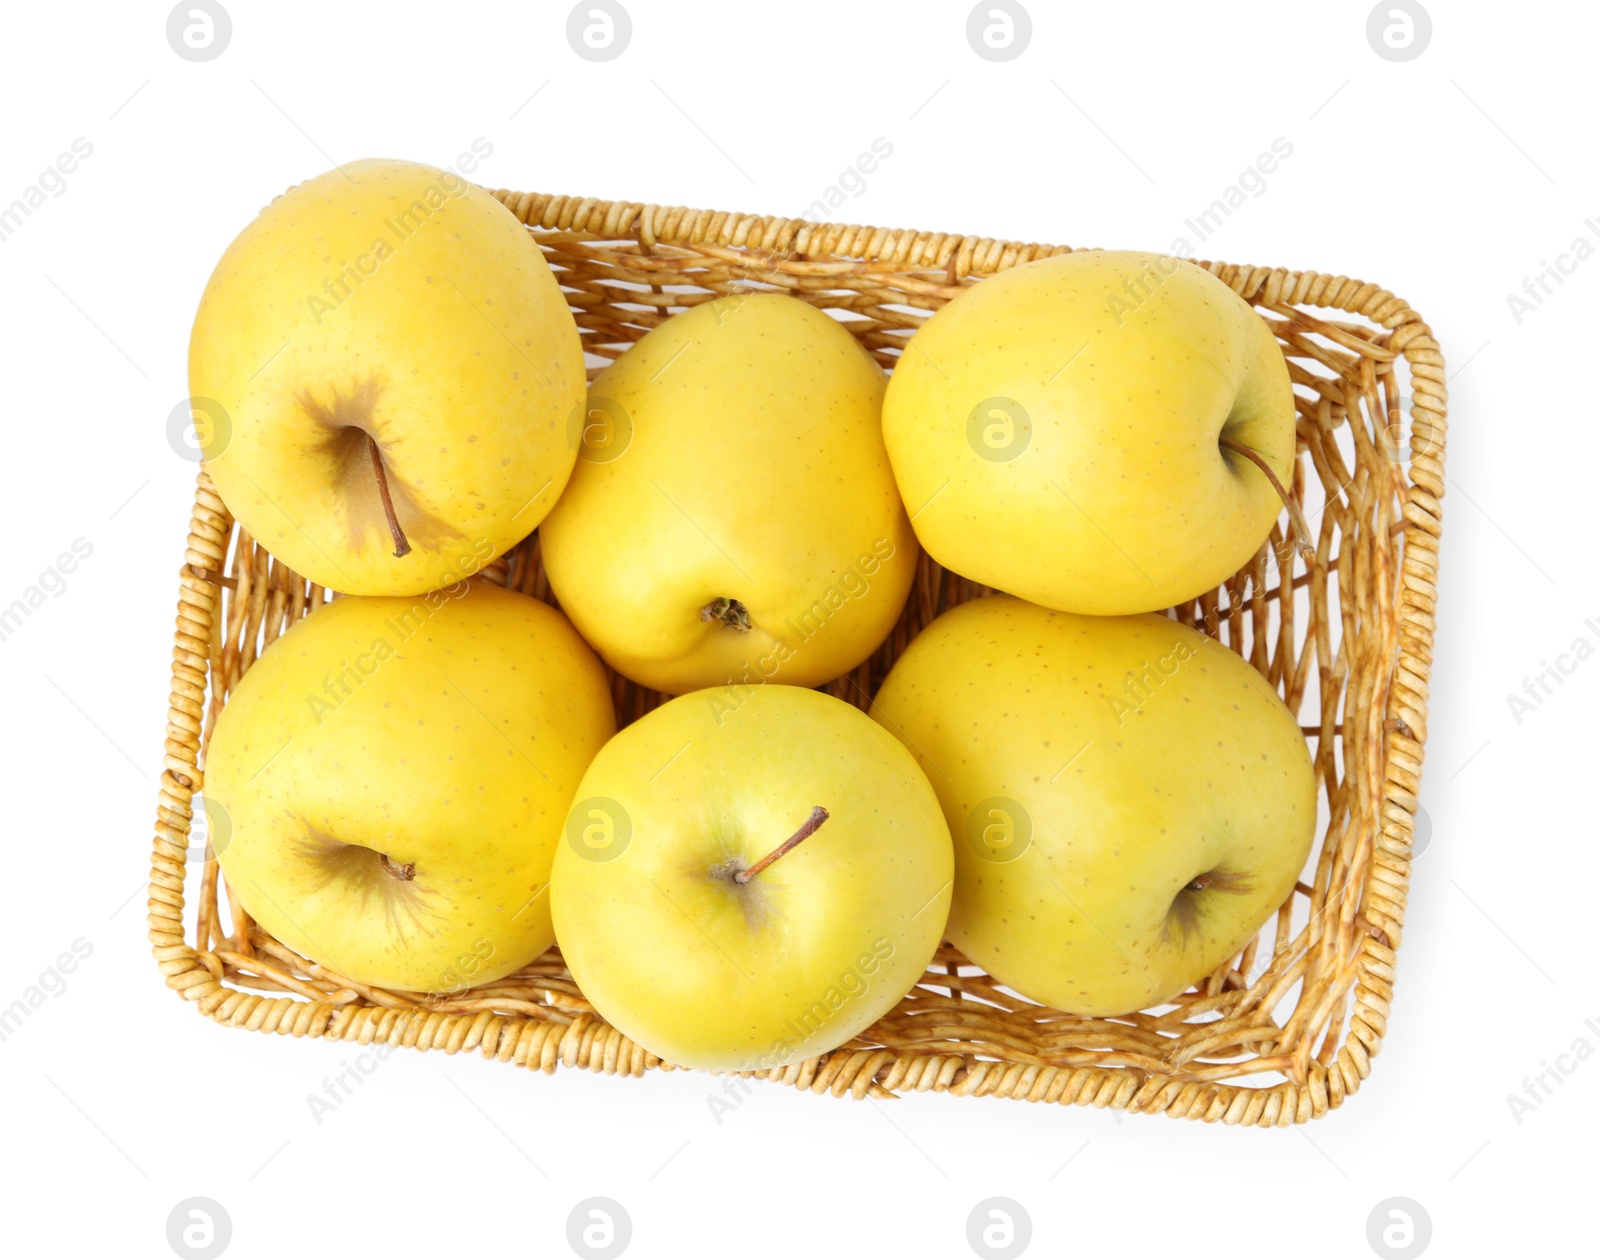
(1297,519)
(817,818)
(401,546)
(730,612)
(402,871)
(1199,882)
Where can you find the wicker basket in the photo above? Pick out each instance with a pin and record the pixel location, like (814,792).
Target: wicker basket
(1279,1035)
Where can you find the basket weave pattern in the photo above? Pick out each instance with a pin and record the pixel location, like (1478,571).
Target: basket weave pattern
(1279,1035)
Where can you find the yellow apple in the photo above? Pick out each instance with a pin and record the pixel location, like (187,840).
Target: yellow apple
(1069,431)
(1129,799)
(734,519)
(679,934)
(397,772)
(383,369)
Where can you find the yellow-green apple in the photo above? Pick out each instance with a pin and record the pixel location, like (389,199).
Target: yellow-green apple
(397,772)
(1082,431)
(1129,799)
(733,520)
(382,370)
(739,891)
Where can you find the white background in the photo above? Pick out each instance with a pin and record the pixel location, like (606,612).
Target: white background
(1448,179)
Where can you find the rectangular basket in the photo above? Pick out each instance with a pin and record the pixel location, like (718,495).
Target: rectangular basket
(1279,1035)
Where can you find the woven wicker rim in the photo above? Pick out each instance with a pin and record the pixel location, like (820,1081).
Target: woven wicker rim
(226,616)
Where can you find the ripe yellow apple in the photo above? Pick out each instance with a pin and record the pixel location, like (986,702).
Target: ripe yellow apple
(1058,431)
(396,773)
(1129,799)
(382,369)
(684,940)
(734,519)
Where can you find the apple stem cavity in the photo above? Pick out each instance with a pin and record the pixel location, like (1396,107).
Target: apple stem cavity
(1298,526)
(403,871)
(731,613)
(401,546)
(817,818)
